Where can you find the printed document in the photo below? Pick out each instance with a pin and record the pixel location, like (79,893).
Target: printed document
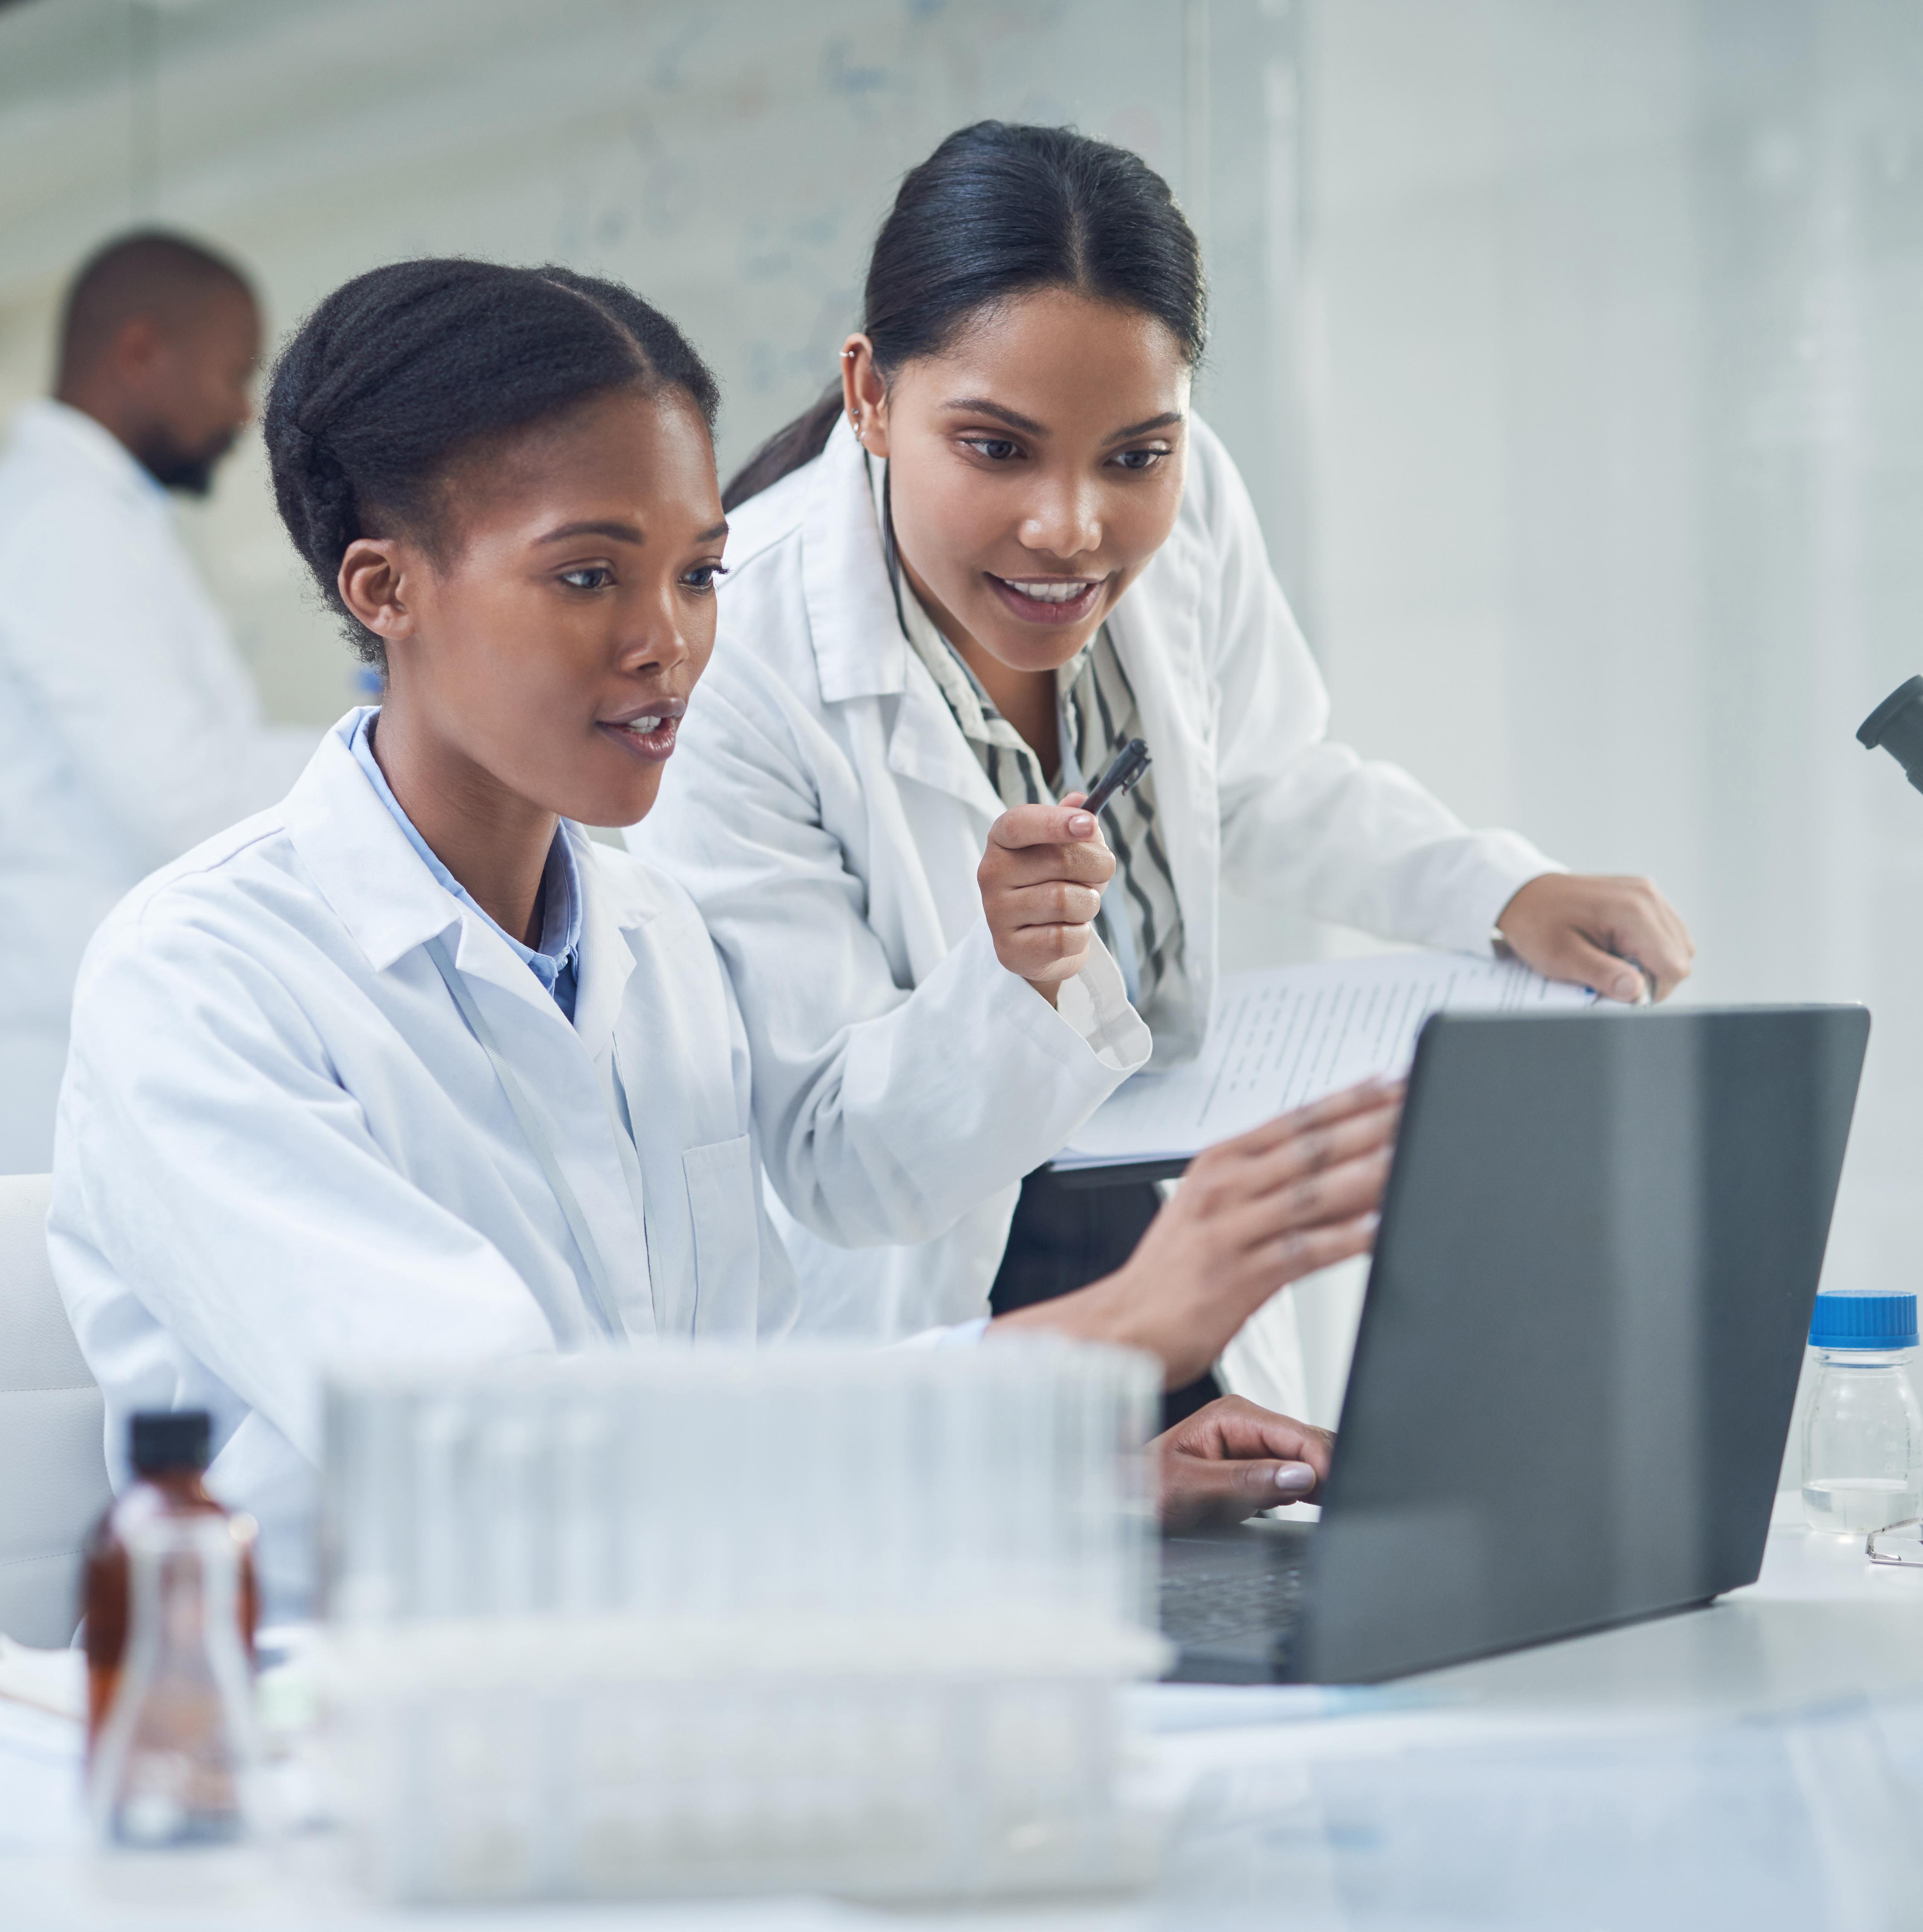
(1286,1035)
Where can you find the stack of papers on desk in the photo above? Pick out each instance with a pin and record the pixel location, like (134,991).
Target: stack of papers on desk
(1286,1035)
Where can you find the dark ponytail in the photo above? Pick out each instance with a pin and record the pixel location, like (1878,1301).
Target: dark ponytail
(399,370)
(801,441)
(999,209)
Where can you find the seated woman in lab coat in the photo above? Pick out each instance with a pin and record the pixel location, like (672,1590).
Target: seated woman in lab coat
(408,1065)
(999,547)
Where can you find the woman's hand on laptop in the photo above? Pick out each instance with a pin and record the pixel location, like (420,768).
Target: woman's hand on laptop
(1298,1193)
(1232,1460)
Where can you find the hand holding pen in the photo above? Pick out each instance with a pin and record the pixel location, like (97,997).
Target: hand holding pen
(1043,875)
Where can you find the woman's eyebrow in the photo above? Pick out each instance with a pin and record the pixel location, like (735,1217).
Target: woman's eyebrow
(622,532)
(615,532)
(979,405)
(1168,419)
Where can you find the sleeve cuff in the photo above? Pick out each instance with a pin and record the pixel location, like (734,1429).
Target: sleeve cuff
(963,1335)
(1095,1004)
(1507,863)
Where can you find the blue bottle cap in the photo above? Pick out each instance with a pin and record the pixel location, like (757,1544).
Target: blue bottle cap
(1864,1321)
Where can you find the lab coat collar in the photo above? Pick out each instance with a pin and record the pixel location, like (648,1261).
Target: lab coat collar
(360,859)
(860,651)
(927,745)
(46,428)
(362,865)
(612,912)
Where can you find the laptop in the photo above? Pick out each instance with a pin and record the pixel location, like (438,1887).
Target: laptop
(1579,1352)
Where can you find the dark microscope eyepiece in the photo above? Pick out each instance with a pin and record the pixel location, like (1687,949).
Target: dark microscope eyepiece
(1897,724)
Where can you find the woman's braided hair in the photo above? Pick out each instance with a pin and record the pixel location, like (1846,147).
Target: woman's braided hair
(404,369)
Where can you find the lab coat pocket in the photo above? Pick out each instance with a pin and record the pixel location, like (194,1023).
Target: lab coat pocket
(723,1210)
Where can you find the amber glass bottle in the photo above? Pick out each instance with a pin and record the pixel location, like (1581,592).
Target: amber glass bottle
(168,1450)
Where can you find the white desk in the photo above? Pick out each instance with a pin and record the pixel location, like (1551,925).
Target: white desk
(1822,1624)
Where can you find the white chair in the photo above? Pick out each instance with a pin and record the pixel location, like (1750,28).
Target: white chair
(52,1464)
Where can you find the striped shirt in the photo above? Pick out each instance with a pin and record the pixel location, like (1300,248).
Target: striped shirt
(1141,918)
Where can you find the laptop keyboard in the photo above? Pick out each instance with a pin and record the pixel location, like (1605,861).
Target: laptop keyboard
(1200,1607)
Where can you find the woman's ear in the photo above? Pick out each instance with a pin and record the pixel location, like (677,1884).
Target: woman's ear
(864,395)
(373,583)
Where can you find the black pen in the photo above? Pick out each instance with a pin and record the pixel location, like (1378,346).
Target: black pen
(1131,761)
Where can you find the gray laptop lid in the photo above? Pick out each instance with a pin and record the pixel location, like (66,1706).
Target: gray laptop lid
(1586,1317)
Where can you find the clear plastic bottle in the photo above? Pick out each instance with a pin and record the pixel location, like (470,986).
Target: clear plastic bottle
(1863,1435)
(174,1763)
(168,1449)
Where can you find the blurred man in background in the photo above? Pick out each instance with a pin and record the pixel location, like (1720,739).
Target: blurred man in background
(129,728)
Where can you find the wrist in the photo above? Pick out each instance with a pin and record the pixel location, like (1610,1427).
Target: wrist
(1113,1309)
(1513,904)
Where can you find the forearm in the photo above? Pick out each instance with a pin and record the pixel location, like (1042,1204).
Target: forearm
(1110,1310)
(1296,1194)
(905,1120)
(1361,844)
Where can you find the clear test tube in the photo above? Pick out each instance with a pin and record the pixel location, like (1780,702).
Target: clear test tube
(1002,1514)
(510,1516)
(892,1402)
(1139,1406)
(366,1513)
(787,1501)
(1043,1558)
(962,1464)
(1076,1395)
(1025,1397)
(632,1414)
(586,1522)
(1089,1506)
(729,1477)
(437,1472)
(926,1501)
(853,1532)
(1111,1419)
(663,1428)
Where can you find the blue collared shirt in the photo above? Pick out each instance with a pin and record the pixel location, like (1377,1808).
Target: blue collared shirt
(556,962)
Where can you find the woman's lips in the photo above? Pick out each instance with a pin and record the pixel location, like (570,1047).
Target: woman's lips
(652,745)
(1052,609)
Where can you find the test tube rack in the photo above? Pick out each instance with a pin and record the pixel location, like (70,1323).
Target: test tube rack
(693,1620)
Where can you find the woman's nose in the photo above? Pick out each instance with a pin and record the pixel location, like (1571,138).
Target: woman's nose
(1063,522)
(657,641)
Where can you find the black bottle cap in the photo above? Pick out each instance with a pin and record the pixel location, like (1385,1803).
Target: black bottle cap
(159,1439)
(1896,725)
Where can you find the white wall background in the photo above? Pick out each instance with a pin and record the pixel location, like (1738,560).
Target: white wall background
(1616,373)
(1574,352)
(731,158)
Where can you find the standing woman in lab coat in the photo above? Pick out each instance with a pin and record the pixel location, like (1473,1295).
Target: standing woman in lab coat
(129,728)
(1000,547)
(409,1067)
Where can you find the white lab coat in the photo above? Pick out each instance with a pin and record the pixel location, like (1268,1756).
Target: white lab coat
(828,816)
(279,1145)
(129,729)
